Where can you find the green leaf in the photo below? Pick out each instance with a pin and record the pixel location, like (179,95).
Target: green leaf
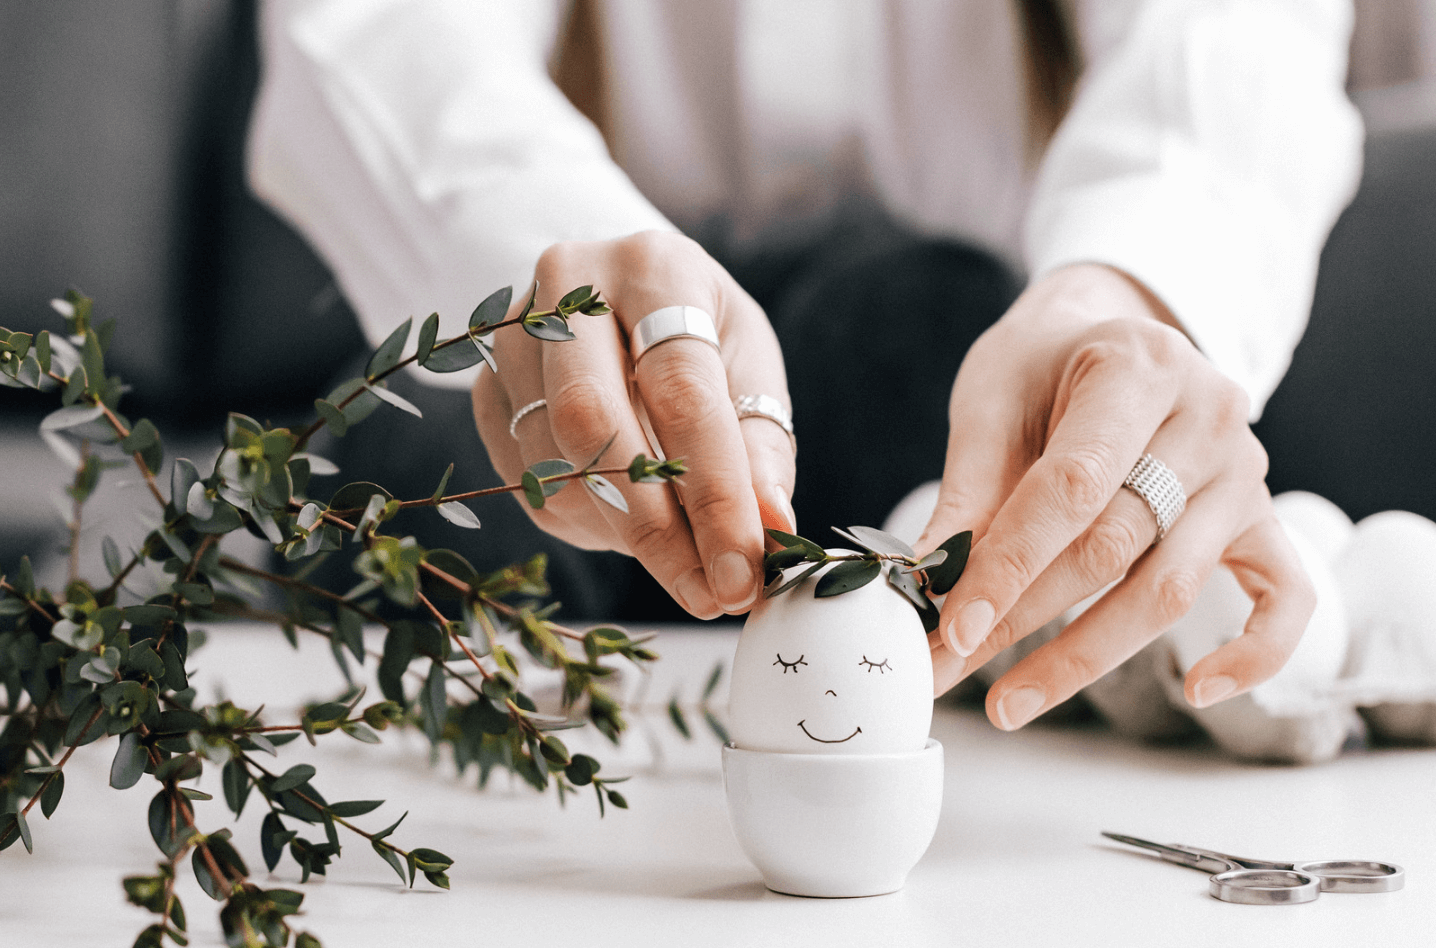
(847,576)
(714,677)
(111,554)
(443,484)
(235,780)
(71,417)
(391,858)
(675,714)
(533,490)
(144,440)
(183,476)
(716,726)
(356,496)
(434,703)
(428,332)
(941,578)
(42,350)
(351,808)
(574,297)
(580,770)
(50,798)
(784,586)
(75,387)
(431,860)
(272,839)
(456,356)
(198,593)
(389,351)
(385,833)
(551,328)
(395,399)
(203,509)
(934,558)
(603,489)
(438,879)
(786,558)
(129,762)
(292,778)
(332,417)
(24,829)
(459,515)
(791,539)
(533,297)
(166,827)
(879,542)
(492,310)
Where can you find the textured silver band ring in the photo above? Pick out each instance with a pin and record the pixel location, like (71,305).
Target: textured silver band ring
(519,416)
(1155,483)
(766,406)
(672,322)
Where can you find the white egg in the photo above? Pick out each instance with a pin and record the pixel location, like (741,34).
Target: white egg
(1326,525)
(1388,573)
(848,674)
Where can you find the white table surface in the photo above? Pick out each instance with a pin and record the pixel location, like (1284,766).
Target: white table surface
(1017,859)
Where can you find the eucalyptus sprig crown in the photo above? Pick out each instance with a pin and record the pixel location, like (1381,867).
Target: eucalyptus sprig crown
(884,555)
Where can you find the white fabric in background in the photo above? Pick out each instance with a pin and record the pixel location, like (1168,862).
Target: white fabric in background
(423,149)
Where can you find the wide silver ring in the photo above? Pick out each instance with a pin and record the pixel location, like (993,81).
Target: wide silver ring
(1155,483)
(766,406)
(672,322)
(519,416)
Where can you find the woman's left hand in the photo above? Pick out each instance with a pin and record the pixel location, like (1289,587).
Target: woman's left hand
(1050,411)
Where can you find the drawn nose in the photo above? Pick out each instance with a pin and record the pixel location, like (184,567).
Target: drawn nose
(831,692)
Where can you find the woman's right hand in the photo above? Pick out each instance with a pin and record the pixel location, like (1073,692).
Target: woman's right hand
(703,542)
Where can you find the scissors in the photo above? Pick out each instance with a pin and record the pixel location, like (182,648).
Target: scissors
(1258,882)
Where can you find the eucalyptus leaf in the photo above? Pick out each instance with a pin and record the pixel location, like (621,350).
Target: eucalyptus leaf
(332,416)
(71,417)
(459,515)
(443,484)
(291,778)
(847,576)
(198,504)
(550,328)
(603,489)
(386,357)
(464,352)
(942,577)
(428,333)
(783,585)
(492,310)
(395,399)
(880,542)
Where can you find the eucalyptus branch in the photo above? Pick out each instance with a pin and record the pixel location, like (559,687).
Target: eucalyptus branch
(30,602)
(60,764)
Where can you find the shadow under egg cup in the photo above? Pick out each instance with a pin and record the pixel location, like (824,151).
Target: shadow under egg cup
(833,825)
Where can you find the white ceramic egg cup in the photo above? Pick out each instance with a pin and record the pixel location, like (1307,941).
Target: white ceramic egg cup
(834,825)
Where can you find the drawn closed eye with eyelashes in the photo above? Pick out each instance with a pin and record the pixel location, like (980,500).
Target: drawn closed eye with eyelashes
(883,667)
(790,665)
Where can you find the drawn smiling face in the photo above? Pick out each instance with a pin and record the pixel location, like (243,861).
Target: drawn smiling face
(846,675)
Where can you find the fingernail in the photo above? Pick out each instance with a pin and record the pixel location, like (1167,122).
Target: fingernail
(1209,691)
(693,593)
(1016,708)
(788,512)
(734,580)
(970,626)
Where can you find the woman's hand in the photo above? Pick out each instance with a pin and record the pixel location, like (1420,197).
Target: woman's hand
(1051,409)
(704,544)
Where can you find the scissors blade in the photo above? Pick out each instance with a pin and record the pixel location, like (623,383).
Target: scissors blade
(1191,858)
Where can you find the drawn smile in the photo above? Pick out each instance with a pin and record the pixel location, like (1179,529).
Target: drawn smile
(856,732)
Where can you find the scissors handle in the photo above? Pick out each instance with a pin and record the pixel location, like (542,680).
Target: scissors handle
(1354,875)
(1336,875)
(1264,886)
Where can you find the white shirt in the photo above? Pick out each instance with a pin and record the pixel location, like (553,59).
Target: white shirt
(424,151)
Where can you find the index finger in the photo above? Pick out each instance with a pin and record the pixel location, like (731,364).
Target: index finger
(1109,410)
(684,386)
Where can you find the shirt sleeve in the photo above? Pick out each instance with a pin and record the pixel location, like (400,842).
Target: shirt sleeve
(423,150)
(1208,153)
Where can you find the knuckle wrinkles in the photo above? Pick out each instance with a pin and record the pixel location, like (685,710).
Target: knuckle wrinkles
(1073,670)
(1109,548)
(1080,480)
(1176,593)
(581,414)
(685,393)
(646,534)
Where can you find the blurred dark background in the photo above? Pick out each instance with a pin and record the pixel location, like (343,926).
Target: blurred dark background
(121,173)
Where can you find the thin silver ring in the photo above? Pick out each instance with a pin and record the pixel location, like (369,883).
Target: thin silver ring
(766,406)
(672,322)
(519,416)
(1155,483)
